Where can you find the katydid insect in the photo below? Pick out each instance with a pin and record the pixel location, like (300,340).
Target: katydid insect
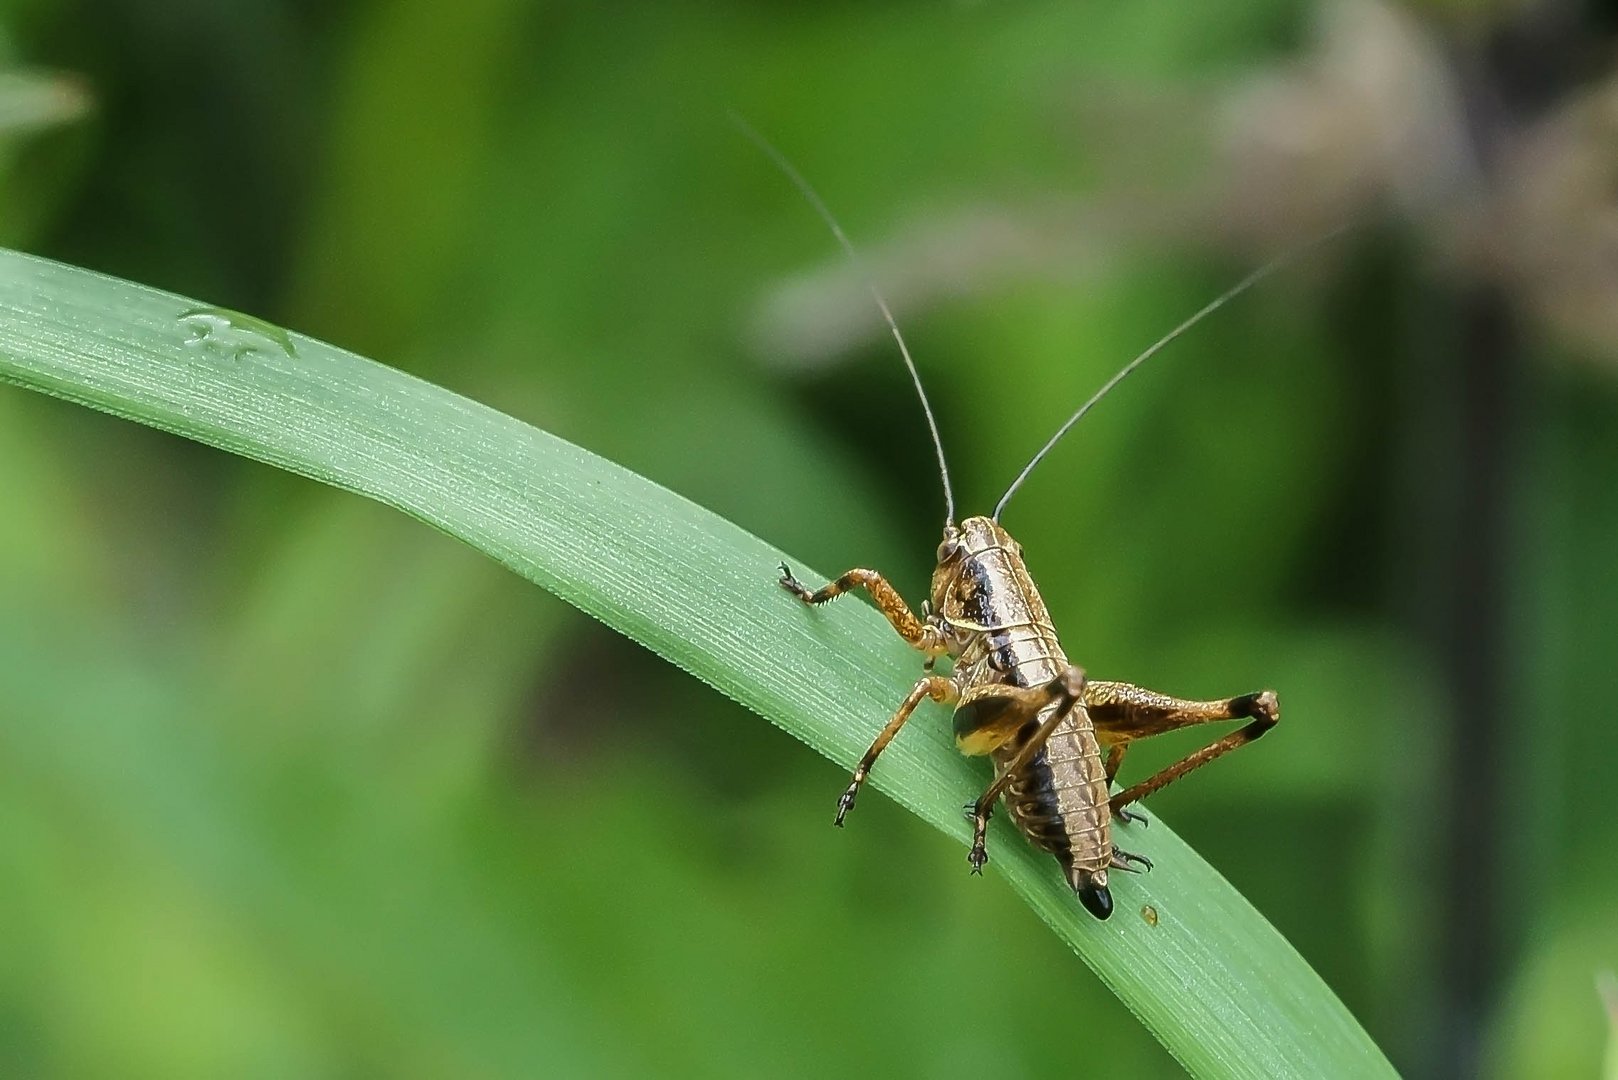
(1056,737)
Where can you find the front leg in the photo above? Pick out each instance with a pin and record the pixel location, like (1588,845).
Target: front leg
(916,631)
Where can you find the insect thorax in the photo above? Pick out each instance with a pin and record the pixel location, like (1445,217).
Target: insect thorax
(984,595)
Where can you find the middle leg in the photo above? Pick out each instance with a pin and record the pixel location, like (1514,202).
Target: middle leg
(936,687)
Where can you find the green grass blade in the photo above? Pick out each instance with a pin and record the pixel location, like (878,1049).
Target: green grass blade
(1222,990)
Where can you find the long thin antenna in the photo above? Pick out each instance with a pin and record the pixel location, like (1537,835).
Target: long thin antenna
(815,201)
(1123,373)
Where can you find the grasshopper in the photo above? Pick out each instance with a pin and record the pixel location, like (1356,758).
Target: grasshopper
(1056,737)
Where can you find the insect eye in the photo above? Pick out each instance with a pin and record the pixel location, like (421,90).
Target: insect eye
(948,550)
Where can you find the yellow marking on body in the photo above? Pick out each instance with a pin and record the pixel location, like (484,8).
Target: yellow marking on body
(980,742)
(965,624)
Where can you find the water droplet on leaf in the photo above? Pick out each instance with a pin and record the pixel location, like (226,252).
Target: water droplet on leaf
(222,332)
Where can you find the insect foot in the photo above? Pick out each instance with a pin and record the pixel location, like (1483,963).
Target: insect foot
(845,803)
(1129,817)
(792,585)
(1125,860)
(980,826)
(978,856)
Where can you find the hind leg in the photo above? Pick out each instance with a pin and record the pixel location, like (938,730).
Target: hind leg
(1123,713)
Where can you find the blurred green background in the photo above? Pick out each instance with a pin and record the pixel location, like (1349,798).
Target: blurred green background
(292,786)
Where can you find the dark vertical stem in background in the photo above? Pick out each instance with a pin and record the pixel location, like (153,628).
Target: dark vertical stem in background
(1469,621)
(1521,71)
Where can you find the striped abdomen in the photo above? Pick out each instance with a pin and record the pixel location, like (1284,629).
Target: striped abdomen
(1059,799)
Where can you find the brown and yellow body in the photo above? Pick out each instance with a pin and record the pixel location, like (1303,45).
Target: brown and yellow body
(1020,701)
(1000,633)
(1017,698)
